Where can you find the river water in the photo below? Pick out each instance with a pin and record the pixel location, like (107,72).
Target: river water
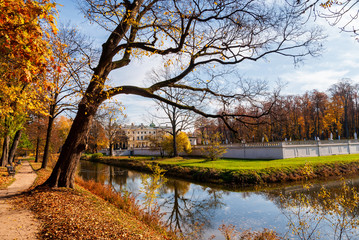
(191,207)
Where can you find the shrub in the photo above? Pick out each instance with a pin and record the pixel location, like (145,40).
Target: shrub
(96,156)
(214,150)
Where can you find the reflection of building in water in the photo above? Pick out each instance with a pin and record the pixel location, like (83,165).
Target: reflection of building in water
(141,136)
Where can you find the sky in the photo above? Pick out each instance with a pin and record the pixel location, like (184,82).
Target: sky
(338,60)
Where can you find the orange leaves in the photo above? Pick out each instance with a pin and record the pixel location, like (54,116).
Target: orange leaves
(329,3)
(21,35)
(78,214)
(24,52)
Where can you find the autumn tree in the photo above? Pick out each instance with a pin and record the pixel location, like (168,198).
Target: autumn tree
(182,144)
(10,129)
(35,129)
(333,116)
(187,34)
(24,59)
(62,128)
(24,51)
(344,91)
(254,103)
(73,53)
(97,138)
(214,149)
(319,104)
(25,54)
(179,119)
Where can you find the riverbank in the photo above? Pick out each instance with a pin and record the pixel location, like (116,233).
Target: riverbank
(245,173)
(80,214)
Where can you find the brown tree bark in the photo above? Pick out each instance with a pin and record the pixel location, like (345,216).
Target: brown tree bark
(14,145)
(37,149)
(5,151)
(47,143)
(111,148)
(174,142)
(63,174)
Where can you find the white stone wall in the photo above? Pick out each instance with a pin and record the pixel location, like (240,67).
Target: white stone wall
(255,151)
(277,150)
(321,148)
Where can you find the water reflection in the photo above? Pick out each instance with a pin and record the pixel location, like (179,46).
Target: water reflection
(320,211)
(186,210)
(187,205)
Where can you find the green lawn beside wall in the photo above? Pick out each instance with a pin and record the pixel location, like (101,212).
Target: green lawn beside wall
(237,164)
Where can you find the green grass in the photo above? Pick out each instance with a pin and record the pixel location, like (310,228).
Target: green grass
(238,164)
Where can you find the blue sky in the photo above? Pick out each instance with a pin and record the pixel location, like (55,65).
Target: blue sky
(340,59)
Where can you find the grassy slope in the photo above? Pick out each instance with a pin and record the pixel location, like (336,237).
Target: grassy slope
(240,164)
(79,214)
(241,173)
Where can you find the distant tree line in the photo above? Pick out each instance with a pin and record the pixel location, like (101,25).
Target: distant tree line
(312,115)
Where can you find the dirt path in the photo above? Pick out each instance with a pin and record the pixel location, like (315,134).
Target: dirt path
(17,224)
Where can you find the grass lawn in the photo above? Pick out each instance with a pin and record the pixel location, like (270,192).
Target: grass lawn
(238,164)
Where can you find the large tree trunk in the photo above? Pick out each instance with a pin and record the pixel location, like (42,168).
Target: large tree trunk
(14,145)
(63,174)
(175,152)
(37,149)
(47,143)
(174,134)
(5,151)
(111,149)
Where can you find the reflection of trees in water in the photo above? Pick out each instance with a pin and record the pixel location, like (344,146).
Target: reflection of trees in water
(118,178)
(183,212)
(322,212)
(94,171)
(284,195)
(246,194)
(107,174)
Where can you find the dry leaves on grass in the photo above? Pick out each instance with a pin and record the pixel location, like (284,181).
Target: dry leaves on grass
(5,179)
(75,214)
(78,214)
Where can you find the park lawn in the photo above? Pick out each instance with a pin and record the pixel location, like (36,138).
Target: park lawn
(245,164)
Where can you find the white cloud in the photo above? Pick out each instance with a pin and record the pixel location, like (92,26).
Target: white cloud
(301,81)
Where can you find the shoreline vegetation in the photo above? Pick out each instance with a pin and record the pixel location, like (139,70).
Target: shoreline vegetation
(94,211)
(89,211)
(239,173)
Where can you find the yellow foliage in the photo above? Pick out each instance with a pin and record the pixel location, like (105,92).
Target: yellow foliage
(25,54)
(182,142)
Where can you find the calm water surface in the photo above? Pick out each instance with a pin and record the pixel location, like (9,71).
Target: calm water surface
(186,203)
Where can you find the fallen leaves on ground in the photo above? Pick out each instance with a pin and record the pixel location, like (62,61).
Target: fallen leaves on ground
(78,214)
(5,179)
